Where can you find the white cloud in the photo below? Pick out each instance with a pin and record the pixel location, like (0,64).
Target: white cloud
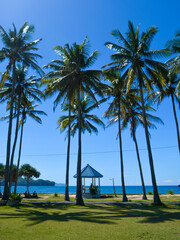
(168,181)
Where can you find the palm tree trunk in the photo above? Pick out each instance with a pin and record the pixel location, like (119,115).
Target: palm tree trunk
(140,168)
(79,199)
(68,155)
(6,181)
(27,184)
(14,145)
(121,157)
(19,157)
(155,190)
(175,117)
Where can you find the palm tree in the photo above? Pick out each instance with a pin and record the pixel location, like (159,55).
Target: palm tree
(87,105)
(71,121)
(13,175)
(23,86)
(134,55)
(27,109)
(16,49)
(2,174)
(28,172)
(174,44)
(133,115)
(77,79)
(170,88)
(60,68)
(117,91)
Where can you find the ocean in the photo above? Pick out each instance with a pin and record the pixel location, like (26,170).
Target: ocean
(104,189)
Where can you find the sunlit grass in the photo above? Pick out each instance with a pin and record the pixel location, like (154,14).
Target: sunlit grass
(102,222)
(105,198)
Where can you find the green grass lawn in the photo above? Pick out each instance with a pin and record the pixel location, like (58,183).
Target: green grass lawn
(112,198)
(101,222)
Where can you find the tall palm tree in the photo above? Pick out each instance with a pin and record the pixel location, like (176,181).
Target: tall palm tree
(23,86)
(77,79)
(117,90)
(27,109)
(60,68)
(170,88)
(71,121)
(134,116)
(17,48)
(134,55)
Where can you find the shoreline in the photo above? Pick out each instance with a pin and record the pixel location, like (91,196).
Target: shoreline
(128,194)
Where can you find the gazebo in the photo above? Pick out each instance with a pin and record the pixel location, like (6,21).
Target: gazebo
(90,172)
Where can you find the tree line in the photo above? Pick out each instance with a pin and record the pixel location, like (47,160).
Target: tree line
(131,83)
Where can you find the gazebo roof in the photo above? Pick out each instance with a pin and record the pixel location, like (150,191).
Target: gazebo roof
(89,172)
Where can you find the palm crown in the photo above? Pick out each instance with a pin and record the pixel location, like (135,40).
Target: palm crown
(70,73)
(87,105)
(24,86)
(18,48)
(133,114)
(135,57)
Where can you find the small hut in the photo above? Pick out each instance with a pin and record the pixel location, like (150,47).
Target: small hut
(90,172)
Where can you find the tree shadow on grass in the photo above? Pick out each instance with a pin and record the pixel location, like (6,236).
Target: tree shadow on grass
(57,214)
(149,213)
(102,214)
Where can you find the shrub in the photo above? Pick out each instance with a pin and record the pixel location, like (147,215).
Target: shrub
(15,197)
(150,193)
(55,194)
(93,190)
(170,192)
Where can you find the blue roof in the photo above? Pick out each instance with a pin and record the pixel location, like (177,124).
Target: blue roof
(89,172)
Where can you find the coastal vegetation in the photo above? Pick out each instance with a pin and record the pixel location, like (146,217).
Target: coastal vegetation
(28,172)
(135,79)
(32,182)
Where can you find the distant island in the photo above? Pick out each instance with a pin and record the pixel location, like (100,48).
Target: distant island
(39,182)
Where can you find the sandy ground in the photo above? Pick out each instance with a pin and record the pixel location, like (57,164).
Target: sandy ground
(135,196)
(130,197)
(43,197)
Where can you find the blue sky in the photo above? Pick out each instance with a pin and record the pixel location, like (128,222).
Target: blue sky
(66,21)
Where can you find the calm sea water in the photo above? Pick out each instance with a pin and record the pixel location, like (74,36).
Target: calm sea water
(104,189)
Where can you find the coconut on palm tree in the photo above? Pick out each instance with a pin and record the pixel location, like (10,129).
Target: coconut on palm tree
(133,54)
(17,48)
